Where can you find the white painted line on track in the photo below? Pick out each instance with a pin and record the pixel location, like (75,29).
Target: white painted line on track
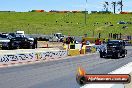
(126,69)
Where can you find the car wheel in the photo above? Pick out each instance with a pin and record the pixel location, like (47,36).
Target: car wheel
(18,47)
(101,54)
(123,55)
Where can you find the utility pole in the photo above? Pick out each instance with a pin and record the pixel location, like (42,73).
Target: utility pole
(121,5)
(114,5)
(85,17)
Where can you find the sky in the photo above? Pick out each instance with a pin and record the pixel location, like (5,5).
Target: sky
(47,5)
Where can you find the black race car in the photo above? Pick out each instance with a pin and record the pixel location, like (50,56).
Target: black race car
(114,49)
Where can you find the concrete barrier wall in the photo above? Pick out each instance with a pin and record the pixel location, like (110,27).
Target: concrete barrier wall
(15,58)
(51,54)
(30,57)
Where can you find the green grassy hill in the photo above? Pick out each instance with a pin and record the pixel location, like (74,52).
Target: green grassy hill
(66,23)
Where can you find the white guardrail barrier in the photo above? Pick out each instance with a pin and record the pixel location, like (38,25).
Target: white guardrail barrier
(123,70)
(9,59)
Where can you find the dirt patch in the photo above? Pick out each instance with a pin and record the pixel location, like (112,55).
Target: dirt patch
(42,44)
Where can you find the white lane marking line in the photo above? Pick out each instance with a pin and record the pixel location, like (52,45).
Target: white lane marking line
(126,69)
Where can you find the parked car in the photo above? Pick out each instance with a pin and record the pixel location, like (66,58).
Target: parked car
(4,41)
(122,22)
(16,41)
(21,43)
(127,42)
(57,37)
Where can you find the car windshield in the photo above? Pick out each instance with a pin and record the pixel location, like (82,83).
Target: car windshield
(113,44)
(16,35)
(59,35)
(19,39)
(3,36)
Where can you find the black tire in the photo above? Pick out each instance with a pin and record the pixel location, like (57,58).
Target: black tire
(3,48)
(124,54)
(18,47)
(101,55)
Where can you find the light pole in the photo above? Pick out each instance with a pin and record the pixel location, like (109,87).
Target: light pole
(28,28)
